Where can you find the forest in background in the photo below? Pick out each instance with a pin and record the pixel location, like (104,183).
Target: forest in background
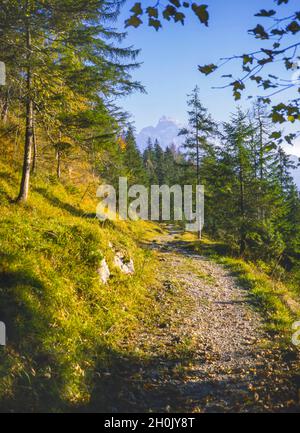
(251,201)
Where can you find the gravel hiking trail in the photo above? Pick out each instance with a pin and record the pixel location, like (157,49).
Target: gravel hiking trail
(211,354)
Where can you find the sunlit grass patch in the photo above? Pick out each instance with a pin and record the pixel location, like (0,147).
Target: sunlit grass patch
(266,294)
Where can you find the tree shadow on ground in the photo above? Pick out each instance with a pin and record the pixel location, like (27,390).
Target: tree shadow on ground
(4,196)
(24,361)
(133,385)
(71,209)
(55,201)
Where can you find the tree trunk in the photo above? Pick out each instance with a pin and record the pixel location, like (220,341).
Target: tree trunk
(261,162)
(198,172)
(254,149)
(261,151)
(242,211)
(5,106)
(35,150)
(24,187)
(58,168)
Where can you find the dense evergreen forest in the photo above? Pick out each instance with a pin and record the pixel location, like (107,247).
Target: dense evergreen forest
(98,314)
(252,203)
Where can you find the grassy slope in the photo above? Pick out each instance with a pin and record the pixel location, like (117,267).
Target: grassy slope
(61,322)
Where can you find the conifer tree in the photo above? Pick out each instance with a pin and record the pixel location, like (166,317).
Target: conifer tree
(133,159)
(61,50)
(200,128)
(149,163)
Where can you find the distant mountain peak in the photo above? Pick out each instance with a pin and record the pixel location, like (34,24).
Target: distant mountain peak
(166,132)
(164,119)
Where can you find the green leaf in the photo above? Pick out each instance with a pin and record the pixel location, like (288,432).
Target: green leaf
(277,117)
(290,138)
(201,12)
(155,23)
(207,69)
(169,12)
(276,135)
(278,32)
(265,13)
(270,147)
(238,85)
(247,59)
(293,27)
(179,16)
(133,21)
(137,9)
(152,12)
(237,95)
(259,32)
(256,78)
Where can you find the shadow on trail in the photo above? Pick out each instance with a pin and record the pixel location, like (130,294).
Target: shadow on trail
(132,385)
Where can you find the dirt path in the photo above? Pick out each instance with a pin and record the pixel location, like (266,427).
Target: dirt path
(211,354)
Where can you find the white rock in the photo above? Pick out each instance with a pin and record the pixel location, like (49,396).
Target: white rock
(130,267)
(104,272)
(125,267)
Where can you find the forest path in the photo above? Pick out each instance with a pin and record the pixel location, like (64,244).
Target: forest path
(210,353)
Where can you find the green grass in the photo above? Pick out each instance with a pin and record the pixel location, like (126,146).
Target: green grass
(266,294)
(62,323)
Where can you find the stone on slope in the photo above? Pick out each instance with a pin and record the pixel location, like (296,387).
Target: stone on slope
(104,272)
(125,267)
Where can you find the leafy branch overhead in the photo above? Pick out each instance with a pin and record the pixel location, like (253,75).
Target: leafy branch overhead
(276,33)
(175,10)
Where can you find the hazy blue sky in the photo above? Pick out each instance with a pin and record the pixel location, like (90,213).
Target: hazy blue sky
(170,58)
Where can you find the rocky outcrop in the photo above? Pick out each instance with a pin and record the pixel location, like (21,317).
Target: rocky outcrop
(125,266)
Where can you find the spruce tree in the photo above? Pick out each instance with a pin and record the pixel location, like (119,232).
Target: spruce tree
(200,128)
(133,159)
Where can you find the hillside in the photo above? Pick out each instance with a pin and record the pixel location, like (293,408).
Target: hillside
(61,320)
